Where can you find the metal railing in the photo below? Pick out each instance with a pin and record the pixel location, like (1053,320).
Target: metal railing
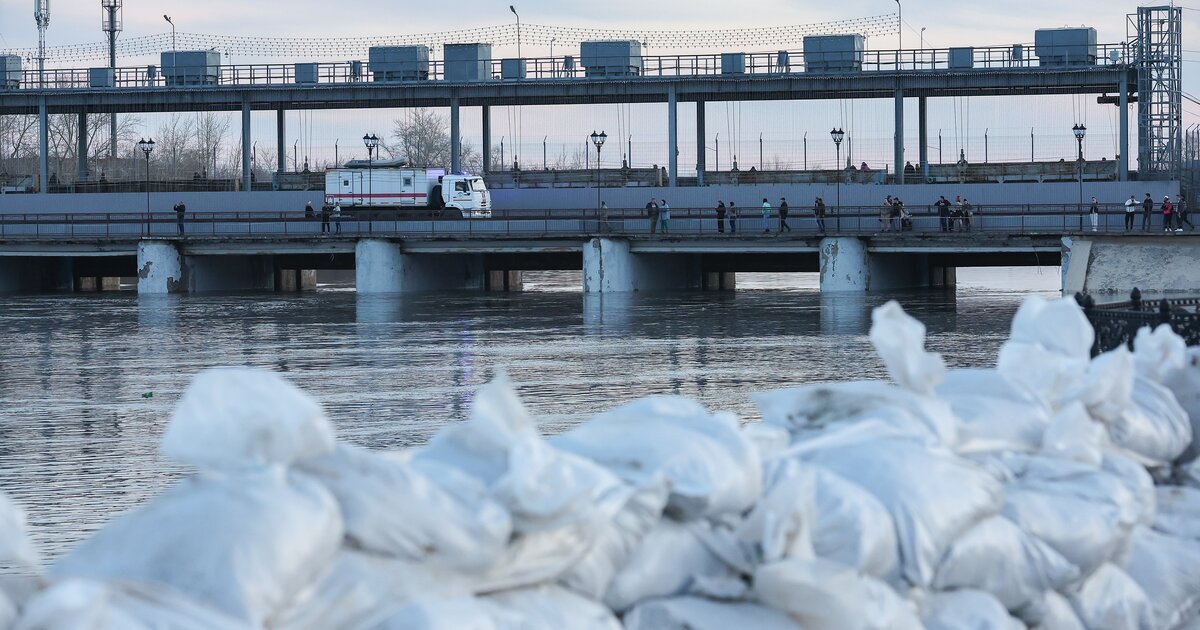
(1117,323)
(923,220)
(546,68)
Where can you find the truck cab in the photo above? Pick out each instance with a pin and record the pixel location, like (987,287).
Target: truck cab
(466,196)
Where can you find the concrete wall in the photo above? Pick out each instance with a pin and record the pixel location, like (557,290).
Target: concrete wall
(1115,265)
(160,202)
(801,196)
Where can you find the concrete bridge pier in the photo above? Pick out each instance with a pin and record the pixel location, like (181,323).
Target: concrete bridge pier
(159,268)
(609,266)
(720,281)
(500,280)
(847,266)
(295,280)
(381,266)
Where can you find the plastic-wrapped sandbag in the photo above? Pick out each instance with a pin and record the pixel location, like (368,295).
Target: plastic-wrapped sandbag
(697,613)
(1158,353)
(811,409)
(995,556)
(1168,570)
(1107,388)
(966,608)
(81,604)
(8,611)
(362,589)
(1154,428)
(1053,377)
(233,419)
(1136,480)
(249,545)
(817,511)
(668,559)
(453,613)
(1110,600)
(593,573)
(551,607)
(1184,383)
(1058,325)
(1073,435)
(825,595)
(1055,613)
(988,382)
(987,423)
(768,439)
(1178,511)
(713,468)
(899,339)
(391,508)
(933,495)
(1084,513)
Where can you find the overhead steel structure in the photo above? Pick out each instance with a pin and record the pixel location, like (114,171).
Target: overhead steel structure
(1156,39)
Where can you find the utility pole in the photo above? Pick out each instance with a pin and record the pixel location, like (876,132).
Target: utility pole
(41,14)
(112,26)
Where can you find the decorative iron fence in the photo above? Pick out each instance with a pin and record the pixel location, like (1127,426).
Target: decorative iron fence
(1117,323)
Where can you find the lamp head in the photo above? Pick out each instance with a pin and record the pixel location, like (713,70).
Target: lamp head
(1080,131)
(837,134)
(603,137)
(513,9)
(168,19)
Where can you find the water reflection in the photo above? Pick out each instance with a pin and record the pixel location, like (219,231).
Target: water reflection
(88,382)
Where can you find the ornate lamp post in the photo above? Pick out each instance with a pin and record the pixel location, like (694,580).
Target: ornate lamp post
(147,147)
(598,140)
(371,141)
(1080,131)
(837,134)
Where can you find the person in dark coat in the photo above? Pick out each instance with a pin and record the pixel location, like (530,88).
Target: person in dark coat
(943,210)
(819,212)
(1147,210)
(179,210)
(326,212)
(720,217)
(783,215)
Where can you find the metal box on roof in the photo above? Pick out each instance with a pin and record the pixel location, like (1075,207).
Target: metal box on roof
(399,63)
(191,67)
(833,53)
(467,62)
(614,58)
(512,69)
(101,77)
(733,63)
(961,58)
(1065,46)
(307,74)
(10,72)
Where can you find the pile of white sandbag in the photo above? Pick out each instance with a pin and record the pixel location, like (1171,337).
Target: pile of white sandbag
(1017,497)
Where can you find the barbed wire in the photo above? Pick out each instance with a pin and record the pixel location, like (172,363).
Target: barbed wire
(769,37)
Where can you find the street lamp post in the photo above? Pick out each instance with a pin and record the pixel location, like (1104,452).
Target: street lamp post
(174,49)
(837,134)
(900,31)
(514,12)
(147,147)
(371,141)
(598,140)
(553,63)
(1080,131)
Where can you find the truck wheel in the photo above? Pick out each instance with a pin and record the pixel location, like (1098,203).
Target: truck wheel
(453,213)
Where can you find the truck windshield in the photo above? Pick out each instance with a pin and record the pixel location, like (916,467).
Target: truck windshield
(477,184)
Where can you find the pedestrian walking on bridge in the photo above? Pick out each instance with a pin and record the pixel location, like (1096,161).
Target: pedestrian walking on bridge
(766,216)
(1147,209)
(1181,213)
(733,216)
(783,215)
(1094,211)
(1130,211)
(819,213)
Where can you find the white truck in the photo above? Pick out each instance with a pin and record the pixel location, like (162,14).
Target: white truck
(392,190)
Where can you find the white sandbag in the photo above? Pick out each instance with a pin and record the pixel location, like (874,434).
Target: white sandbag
(593,573)
(1178,511)
(995,556)
(809,510)
(957,610)
(1184,383)
(1084,513)
(713,468)
(988,382)
(1053,377)
(1058,325)
(1073,435)
(1155,428)
(933,495)
(232,419)
(1056,613)
(16,550)
(8,612)
(1136,480)
(389,507)
(663,565)
(768,439)
(249,545)
(987,423)
(899,339)
(696,613)
(1159,352)
(1110,600)
(455,613)
(1107,388)
(825,595)
(1168,570)
(80,604)
(811,409)
(551,607)
(362,589)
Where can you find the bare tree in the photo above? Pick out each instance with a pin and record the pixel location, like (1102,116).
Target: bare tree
(210,130)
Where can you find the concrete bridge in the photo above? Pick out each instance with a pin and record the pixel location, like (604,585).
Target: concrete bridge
(854,254)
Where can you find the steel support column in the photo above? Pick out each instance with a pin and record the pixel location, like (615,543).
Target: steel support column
(700,151)
(1123,128)
(247,147)
(923,134)
(487,139)
(281,141)
(81,152)
(672,137)
(455,137)
(898,151)
(43,147)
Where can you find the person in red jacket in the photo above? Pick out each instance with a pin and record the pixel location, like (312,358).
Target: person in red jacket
(1168,211)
